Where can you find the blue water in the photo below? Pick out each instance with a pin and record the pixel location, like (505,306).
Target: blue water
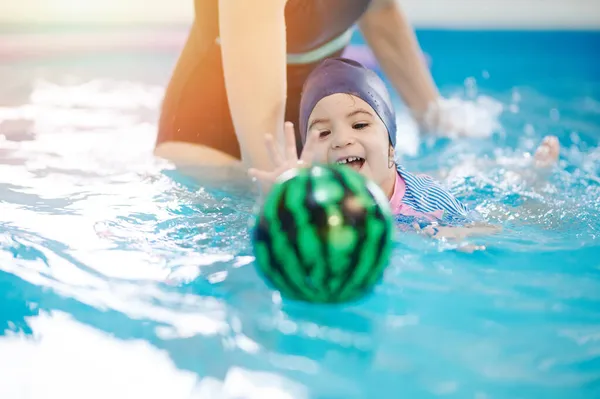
(122,277)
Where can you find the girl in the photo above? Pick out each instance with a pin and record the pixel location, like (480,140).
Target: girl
(347,117)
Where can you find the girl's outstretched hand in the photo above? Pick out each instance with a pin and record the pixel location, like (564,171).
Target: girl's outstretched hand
(286,161)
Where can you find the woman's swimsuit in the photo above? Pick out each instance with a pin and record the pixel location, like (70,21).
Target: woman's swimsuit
(195,107)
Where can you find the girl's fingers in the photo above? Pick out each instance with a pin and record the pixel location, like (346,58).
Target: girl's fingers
(273,150)
(291,151)
(308,150)
(260,174)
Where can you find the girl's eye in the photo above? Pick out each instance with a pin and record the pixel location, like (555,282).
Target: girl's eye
(360,126)
(324,133)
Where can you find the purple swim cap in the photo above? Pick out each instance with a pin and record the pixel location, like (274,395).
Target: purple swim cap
(342,75)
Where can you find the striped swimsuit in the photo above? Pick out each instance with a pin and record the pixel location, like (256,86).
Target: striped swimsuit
(421,197)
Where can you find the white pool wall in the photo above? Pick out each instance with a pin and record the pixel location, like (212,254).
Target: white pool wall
(455,14)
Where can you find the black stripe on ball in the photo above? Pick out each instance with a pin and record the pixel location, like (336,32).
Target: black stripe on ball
(319,220)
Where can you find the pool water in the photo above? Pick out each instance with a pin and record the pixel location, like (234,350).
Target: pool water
(123,277)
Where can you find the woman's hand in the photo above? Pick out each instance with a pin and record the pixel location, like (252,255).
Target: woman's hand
(286,161)
(458,118)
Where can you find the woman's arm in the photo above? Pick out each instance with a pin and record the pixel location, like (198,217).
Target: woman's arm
(392,39)
(253,45)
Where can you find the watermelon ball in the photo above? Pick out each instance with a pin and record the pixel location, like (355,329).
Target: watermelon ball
(323,235)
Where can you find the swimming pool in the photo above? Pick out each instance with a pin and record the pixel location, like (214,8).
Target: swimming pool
(121,277)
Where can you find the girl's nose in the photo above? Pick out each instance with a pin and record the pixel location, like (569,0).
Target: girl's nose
(342,139)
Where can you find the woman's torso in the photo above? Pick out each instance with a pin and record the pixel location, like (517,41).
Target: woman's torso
(310,24)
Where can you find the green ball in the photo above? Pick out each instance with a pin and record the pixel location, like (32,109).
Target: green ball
(323,235)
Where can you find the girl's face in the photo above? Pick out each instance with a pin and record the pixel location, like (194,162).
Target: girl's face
(351,133)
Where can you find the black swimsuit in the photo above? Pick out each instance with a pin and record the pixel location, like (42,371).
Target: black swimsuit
(195,107)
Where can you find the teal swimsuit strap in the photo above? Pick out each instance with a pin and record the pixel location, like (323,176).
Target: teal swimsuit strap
(319,53)
(322,52)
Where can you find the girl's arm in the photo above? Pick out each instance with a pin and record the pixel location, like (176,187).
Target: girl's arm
(460,233)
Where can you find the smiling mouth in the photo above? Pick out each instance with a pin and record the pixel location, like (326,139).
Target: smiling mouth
(355,163)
